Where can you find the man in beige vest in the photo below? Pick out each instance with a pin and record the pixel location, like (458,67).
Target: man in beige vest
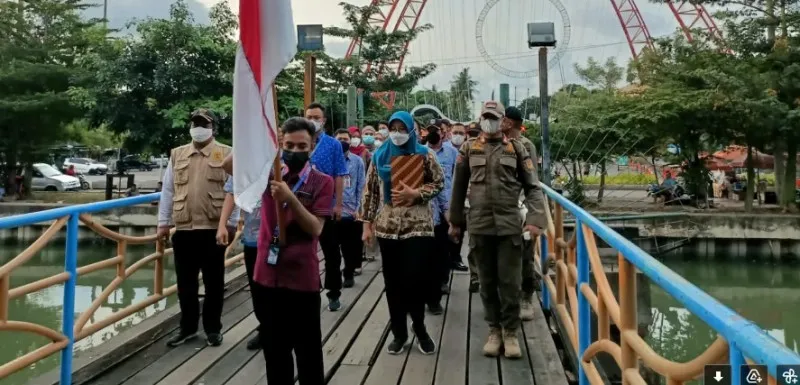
(192,201)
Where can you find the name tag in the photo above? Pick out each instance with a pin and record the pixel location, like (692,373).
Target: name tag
(347,181)
(272,258)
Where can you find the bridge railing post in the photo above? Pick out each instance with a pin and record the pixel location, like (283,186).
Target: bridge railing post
(628,312)
(584,311)
(543,240)
(68,321)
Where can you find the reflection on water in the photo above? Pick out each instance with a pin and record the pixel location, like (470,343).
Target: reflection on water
(44,307)
(768,295)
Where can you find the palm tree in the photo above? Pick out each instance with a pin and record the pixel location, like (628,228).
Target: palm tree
(462,92)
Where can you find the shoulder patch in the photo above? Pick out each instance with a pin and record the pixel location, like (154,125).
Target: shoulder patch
(528,164)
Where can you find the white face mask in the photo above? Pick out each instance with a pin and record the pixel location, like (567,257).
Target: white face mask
(399,138)
(355,142)
(378,143)
(490,126)
(200,134)
(384,132)
(318,125)
(457,139)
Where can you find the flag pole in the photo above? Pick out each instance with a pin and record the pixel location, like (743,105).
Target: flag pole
(276,171)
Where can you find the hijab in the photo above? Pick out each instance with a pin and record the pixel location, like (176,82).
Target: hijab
(360,149)
(384,154)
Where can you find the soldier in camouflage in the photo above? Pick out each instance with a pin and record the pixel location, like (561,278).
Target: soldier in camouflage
(497,170)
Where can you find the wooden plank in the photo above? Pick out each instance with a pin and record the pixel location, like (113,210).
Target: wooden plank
(251,373)
(421,369)
(194,367)
(451,367)
(178,355)
(482,369)
(348,375)
(157,348)
(226,367)
(371,336)
(388,368)
(343,337)
(544,358)
(517,371)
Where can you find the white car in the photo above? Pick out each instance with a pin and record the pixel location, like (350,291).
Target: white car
(86,166)
(48,178)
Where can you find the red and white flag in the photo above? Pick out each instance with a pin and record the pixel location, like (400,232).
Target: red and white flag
(266,45)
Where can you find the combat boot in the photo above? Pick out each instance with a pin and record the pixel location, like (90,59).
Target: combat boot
(511,344)
(493,343)
(526,309)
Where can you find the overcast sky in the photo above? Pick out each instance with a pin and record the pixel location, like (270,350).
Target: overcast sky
(595,32)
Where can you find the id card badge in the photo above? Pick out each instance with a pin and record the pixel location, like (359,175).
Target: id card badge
(272,258)
(347,181)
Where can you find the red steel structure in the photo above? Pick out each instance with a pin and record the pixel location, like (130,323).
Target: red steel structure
(689,16)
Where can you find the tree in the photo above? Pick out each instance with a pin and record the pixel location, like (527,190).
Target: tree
(43,42)
(171,67)
(462,94)
(605,77)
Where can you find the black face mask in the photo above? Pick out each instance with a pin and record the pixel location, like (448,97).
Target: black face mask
(433,138)
(345,146)
(294,160)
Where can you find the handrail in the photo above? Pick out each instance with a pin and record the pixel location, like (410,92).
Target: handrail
(75,329)
(571,298)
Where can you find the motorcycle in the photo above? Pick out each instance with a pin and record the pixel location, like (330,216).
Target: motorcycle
(84,183)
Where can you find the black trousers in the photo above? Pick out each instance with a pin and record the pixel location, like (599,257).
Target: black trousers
(351,245)
(196,251)
(250,254)
(406,281)
(291,324)
(439,263)
(329,242)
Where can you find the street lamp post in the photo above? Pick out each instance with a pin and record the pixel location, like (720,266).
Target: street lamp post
(309,39)
(543,35)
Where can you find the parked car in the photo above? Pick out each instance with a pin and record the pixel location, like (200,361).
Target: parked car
(132,162)
(47,178)
(86,166)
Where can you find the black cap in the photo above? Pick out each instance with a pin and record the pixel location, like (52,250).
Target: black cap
(205,114)
(514,113)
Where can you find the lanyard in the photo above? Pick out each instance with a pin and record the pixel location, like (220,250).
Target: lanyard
(300,182)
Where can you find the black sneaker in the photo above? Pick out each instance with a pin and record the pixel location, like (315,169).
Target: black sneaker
(474,287)
(180,339)
(254,343)
(214,339)
(348,283)
(397,346)
(436,309)
(459,266)
(425,344)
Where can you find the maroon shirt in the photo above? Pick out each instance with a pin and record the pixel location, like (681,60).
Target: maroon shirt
(298,264)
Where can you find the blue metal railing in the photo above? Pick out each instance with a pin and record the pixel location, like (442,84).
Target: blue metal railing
(744,338)
(71,257)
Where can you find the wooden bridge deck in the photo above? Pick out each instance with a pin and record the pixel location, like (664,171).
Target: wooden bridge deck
(354,347)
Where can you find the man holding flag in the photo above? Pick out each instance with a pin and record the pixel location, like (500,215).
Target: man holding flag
(293,214)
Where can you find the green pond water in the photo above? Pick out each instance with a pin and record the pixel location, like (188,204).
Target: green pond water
(766,294)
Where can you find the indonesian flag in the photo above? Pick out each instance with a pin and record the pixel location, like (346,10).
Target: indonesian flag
(266,46)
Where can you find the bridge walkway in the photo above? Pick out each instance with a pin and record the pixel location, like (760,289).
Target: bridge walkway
(354,341)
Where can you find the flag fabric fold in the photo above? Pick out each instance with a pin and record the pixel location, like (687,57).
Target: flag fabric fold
(266,46)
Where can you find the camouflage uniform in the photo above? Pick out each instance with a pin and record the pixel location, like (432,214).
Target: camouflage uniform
(496,172)
(528,272)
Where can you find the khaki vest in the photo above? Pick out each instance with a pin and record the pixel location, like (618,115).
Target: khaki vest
(198,182)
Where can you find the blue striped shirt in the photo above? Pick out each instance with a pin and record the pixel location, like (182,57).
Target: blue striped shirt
(353,185)
(446,155)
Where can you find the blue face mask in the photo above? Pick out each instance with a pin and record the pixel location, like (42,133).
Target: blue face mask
(368,140)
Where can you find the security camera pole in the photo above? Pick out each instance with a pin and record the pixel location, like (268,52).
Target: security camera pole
(542,35)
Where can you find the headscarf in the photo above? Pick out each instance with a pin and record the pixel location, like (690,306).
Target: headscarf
(357,150)
(384,154)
